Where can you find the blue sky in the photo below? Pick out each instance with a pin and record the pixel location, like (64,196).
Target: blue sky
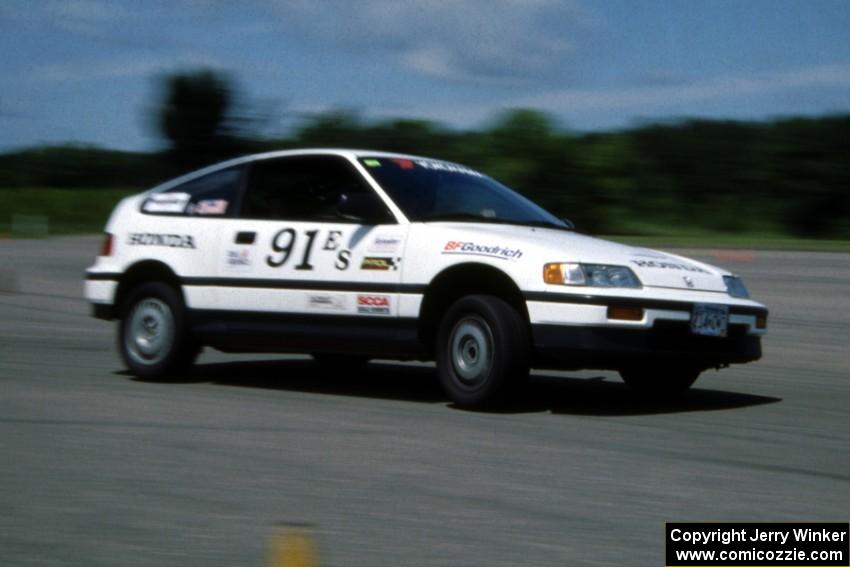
(84,71)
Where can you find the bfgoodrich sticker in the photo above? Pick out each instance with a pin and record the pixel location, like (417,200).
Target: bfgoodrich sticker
(475,249)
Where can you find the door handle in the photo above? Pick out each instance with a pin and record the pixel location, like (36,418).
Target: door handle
(245,237)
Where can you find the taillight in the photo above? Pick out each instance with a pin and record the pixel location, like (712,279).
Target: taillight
(106,245)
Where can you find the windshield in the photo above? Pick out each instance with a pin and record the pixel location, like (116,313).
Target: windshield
(429,190)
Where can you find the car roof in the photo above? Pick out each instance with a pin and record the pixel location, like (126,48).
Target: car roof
(342,152)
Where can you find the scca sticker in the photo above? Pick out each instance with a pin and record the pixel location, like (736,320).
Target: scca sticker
(473,249)
(170,240)
(373,304)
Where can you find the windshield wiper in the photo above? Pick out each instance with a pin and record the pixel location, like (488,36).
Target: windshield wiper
(492,220)
(545,224)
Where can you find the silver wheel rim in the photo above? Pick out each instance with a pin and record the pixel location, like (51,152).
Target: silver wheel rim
(471,350)
(150,331)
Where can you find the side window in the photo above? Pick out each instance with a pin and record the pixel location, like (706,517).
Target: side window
(307,188)
(214,194)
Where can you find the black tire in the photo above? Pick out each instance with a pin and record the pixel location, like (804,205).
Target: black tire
(482,351)
(153,337)
(659,379)
(340,362)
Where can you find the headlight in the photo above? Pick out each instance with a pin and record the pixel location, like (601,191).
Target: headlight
(735,287)
(593,275)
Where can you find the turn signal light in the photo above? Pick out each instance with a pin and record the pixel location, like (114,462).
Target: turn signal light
(552,273)
(625,313)
(761,321)
(106,245)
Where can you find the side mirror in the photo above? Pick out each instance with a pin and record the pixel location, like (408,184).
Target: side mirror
(365,208)
(570,224)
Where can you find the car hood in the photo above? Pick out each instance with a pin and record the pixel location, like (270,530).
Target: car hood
(654,268)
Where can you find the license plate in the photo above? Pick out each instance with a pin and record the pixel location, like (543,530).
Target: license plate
(710,320)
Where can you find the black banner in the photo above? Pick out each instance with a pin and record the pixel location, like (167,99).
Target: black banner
(757,544)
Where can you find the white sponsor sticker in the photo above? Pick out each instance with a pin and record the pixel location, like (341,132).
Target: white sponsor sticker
(239,260)
(166,203)
(327,302)
(385,243)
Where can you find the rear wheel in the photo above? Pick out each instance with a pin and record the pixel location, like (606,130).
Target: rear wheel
(482,350)
(153,339)
(659,379)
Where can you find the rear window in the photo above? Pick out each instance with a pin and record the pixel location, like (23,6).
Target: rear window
(214,194)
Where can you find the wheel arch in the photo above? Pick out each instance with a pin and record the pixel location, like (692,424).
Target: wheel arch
(458,281)
(143,272)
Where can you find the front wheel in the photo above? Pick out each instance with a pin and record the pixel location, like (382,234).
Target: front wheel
(153,339)
(660,380)
(482,350)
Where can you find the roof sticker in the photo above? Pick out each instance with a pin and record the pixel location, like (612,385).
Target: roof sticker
(404,163)
(446,166)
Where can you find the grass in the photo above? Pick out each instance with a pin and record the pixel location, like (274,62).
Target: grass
(85,211)
(70,211)
(734,241)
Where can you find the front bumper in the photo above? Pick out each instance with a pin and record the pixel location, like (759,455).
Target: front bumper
(571,347)
(572,331)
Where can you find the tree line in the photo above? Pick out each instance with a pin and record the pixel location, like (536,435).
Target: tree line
(784,177)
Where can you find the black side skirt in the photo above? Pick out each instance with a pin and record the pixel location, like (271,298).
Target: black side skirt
(240,331)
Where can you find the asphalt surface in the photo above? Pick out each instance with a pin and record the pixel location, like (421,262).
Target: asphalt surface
(100,469)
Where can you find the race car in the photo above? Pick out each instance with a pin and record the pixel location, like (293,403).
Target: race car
(351,255)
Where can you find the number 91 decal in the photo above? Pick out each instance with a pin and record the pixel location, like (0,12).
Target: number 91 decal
(285,241)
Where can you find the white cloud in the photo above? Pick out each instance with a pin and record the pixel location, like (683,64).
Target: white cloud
(141,66)
(457,40)
(84,16)
(672,95)
(647,99)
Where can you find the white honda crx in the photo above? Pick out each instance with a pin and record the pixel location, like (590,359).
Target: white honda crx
(350,255)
